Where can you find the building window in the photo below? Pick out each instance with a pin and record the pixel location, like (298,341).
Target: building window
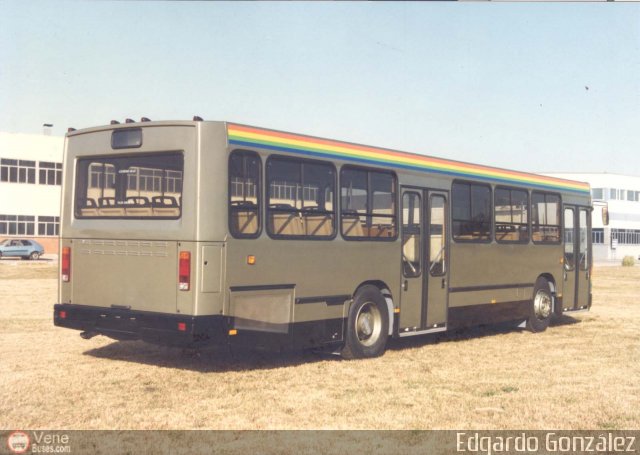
(597,235)
(48,225)
(511,208)
(626,236)
(17,225)
(50,173)
(597,193)
(17,171)
(545,219)
(368,210)
(301,198)
(244,194)
(471,212)
(613,193)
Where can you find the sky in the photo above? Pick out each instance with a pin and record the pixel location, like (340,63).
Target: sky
(540,87)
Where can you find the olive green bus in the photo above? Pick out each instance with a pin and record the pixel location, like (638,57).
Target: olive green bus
(202,233)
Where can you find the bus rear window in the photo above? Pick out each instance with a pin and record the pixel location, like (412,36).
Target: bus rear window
(139,186)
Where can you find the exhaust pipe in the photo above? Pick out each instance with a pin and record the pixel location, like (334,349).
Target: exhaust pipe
(88,335)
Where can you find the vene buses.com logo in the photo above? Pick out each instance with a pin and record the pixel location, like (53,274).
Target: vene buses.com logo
(18,442)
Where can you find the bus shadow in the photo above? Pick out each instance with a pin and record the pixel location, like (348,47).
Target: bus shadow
(205,360)
(564,320)
(469,333)
(226,360)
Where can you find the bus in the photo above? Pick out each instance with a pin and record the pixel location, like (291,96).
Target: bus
(207,233)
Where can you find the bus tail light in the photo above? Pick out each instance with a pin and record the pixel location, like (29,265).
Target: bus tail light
(66,264)
(184,274)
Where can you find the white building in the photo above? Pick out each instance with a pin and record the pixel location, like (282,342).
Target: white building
(30,179)
(621,195)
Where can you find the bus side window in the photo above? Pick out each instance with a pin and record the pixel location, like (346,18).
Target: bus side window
(471,212)
(301,198)
(545,219)
(244,194)
(368,210)
(510,209)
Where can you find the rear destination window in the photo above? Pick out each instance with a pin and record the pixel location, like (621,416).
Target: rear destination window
(140,186)
(126,139)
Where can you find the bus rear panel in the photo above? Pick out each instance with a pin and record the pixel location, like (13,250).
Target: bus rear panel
(130,238)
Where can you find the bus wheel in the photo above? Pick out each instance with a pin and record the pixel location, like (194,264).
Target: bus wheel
(367,325)
(540,314)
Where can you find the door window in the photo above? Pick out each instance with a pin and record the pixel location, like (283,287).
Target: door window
(411,234)
(583,244)
(437,236)
(569,260)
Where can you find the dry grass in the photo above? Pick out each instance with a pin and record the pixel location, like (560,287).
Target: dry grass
(15,268)
(582,373)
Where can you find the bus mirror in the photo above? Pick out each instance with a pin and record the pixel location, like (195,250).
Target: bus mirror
(605,216)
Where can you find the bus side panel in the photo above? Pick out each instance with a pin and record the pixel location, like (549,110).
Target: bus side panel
(497,279)
(308,284)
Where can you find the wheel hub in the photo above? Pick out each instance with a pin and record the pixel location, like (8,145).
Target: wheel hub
(542,304)
(368,324)
(365,326)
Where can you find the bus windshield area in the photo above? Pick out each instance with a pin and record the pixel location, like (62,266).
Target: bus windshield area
(134,186)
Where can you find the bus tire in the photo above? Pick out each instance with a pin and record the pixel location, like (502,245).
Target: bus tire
(541,306)
(367,325)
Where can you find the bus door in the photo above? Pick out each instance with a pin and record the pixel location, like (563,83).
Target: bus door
(577,257)
(423,294)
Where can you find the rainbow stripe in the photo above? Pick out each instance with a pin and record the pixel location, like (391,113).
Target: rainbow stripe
(249,136)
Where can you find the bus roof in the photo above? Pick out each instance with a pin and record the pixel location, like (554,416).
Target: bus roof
(251,136)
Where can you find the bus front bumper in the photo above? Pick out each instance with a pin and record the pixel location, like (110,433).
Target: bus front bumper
(157,328)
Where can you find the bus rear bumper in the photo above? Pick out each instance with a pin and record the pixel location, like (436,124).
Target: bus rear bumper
(213,331)
(157,328)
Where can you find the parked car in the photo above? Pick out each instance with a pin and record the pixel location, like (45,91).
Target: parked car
(24,248)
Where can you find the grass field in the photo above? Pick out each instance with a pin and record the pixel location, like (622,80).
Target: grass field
(582,373)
